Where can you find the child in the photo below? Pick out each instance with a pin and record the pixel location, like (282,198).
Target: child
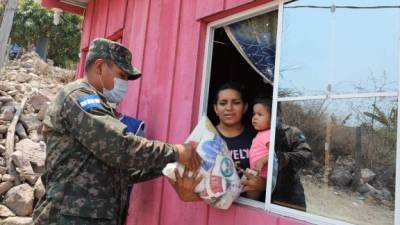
(260,146)
(258,153)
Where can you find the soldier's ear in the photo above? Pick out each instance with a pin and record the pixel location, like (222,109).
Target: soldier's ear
(98,65)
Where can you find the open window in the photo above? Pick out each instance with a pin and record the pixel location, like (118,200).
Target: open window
(336,78)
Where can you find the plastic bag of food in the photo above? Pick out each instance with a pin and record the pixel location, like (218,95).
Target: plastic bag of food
(220,185)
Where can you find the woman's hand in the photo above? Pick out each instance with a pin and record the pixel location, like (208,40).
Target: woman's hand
(185,185)
(253,183)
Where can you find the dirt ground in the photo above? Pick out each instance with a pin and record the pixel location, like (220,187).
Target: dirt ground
(349,207)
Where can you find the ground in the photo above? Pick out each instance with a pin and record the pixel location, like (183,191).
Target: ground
(350,207)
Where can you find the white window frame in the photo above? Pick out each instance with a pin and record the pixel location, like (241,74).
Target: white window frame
(206,75)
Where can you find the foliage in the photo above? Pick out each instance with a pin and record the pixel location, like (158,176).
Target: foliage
(32,22)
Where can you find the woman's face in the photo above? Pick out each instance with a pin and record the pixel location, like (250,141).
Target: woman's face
(230,107)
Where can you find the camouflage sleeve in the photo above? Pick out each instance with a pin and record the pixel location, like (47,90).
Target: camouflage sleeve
(136,176)
(106,137)
(300,154)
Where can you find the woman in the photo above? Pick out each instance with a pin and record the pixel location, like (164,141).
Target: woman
(230,106)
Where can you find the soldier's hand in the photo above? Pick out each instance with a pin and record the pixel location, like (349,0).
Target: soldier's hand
(188,156)
(185,185)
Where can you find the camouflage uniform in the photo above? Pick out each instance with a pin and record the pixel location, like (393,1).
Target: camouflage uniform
(89,153)
(293,154)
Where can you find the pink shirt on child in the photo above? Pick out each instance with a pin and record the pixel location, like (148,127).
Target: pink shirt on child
(260,148)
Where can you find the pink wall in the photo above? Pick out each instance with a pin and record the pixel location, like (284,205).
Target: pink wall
(167,40)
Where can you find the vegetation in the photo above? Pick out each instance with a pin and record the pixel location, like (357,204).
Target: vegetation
(32,23)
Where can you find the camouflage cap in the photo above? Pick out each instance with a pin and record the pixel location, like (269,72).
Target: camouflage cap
(101,48)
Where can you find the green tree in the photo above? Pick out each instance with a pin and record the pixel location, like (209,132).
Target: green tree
(32,22)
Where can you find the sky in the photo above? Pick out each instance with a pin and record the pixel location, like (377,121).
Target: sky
(355,50)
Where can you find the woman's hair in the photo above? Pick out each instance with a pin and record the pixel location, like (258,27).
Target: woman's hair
(266,102)
(233,86)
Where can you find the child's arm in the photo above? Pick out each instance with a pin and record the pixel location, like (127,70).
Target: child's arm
(261,163)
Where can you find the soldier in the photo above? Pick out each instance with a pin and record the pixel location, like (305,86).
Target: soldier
(89,150)
(293,154)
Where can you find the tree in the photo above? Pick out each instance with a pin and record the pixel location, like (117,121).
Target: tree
(32,23)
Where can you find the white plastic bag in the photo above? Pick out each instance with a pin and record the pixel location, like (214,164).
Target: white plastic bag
(220,185)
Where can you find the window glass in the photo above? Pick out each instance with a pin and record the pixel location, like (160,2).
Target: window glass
(342,46)
(352,174)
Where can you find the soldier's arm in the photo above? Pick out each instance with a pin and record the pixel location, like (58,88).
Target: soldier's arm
(107,139)
(136,176)
(300,154)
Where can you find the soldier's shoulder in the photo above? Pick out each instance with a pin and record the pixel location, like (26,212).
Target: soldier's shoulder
(294,133)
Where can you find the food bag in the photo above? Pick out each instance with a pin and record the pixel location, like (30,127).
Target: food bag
(220,185)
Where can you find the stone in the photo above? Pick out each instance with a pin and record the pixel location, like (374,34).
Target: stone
(39,189)
(28,64)
(5,99)
(367,175)
(17,221)
(12,93)
(5,212)
(7,177)
(386,194)
(2,162)
(42,112)
(7,113)
(23,78)
(2,148)
(5,186)
(3,170)
(20,200)
(34,136)
(3,129)
(37,100)
(24,167)
(30,122)
(20,130)
(34,152)
(341,177)
(5,86)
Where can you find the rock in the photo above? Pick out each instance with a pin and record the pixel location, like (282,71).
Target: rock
(386,194)
(23,78)
(17,221)
(42,111)
(30,122)
(3,129)
(20,130)
(3,170)
(367,175)
(37,100)
(12,93)
(35,153)
(2,148)
(39,189)
(8,177)
(20,200)
(5,99)
(5,86)
(28,64)
(341,177)
(2,162)
(5,212)
(7,113)
(23,167)
(34,136)
(365,188)
(5,186)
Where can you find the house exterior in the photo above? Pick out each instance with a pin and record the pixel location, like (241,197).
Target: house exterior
(168,39)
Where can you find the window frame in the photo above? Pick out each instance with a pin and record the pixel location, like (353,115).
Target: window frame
(205,85)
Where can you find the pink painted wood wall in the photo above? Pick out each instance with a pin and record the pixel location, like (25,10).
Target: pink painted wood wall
(167,40)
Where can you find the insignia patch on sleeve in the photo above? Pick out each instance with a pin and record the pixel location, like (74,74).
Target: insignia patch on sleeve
(90,101)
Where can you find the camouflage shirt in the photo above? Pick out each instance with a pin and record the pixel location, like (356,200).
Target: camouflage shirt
(89,154)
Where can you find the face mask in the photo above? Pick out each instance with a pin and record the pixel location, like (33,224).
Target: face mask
(116,94)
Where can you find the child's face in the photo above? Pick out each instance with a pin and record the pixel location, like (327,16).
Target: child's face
(261,117)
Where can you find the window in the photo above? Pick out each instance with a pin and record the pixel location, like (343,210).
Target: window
(337,80)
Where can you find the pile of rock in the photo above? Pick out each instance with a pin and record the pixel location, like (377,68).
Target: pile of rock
(26,85)
(372,187)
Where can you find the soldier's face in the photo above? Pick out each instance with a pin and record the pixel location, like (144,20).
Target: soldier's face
(230,107)
(109,72)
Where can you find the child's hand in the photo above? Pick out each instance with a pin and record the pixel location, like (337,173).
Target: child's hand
(261,163)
